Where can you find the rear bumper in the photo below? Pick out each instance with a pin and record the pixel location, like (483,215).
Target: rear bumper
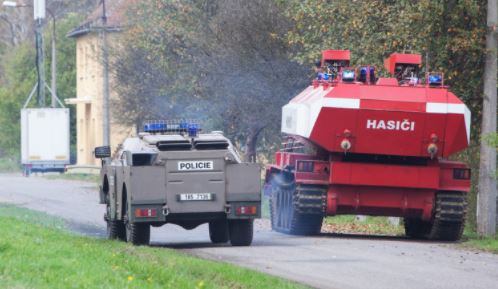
(403,190)
(390,190)
(162,215)
(438,176)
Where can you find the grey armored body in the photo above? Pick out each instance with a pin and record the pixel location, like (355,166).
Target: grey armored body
(182,178)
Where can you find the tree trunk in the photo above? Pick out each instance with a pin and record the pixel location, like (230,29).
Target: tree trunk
(486,198)
(251,143)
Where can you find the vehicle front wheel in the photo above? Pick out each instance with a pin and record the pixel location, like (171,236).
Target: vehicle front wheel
(218,231)
(241,232)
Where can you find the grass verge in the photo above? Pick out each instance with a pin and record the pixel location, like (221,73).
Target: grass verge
(75,177)
(9,165)
(41,255)
(472,240)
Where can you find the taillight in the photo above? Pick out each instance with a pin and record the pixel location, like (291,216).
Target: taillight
(246,210)
(305,166)
(461,174)
(145,213)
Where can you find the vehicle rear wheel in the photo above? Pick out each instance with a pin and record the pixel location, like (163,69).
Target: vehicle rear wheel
(296,210)
(218,231)
(241,232)
(138,233)
(115,228)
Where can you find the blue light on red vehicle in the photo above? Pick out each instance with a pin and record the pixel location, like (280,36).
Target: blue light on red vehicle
(435,79)
(348,75)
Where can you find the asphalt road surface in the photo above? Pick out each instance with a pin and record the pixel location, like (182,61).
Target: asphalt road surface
(326,261)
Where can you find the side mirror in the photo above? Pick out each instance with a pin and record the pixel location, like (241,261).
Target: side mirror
(102,152)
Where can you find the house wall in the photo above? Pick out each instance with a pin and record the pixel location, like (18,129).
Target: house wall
(89,99)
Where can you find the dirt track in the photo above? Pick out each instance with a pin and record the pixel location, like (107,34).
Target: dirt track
(326,261)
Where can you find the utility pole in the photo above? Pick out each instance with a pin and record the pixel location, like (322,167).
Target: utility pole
(53,79)
(486,199)
(39,15)
(105,72)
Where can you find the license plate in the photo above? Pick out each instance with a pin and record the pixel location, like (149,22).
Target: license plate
(196,197)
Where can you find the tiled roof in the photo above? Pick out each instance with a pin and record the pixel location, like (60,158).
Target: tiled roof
(116,18)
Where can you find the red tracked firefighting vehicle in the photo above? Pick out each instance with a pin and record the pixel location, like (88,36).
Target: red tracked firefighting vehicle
(358,144)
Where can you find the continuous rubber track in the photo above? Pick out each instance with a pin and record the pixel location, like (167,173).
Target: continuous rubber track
(449,216)
(297,210)
(449,219)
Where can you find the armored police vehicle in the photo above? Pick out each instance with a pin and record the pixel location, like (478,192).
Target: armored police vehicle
(172,173)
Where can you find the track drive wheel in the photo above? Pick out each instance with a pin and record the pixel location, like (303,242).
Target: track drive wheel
(296,210)
(218,231)
(241,232)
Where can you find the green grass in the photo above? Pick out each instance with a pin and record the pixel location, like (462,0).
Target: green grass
(35,217)
(41,255)
(371,225)
(75,177)
(472,240)
(9,165)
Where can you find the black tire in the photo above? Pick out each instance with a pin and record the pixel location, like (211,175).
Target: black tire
(218,231)
(115,228)
(285,217)
(138,233)
(26,171)
(241,232)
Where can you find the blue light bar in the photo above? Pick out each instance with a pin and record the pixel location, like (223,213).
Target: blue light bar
(183,125)
(154,127)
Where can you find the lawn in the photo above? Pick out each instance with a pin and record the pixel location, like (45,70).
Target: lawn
(9,165)
(474,241)
(36,252)
(75,177)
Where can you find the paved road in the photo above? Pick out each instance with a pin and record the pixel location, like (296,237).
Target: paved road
(326,261)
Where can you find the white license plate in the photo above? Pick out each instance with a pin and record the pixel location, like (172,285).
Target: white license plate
(196,197)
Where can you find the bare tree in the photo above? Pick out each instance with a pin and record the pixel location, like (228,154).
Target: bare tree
(248,71)
(225,60)
(486,209)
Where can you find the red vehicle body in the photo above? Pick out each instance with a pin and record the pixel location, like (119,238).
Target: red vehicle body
(356,144)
